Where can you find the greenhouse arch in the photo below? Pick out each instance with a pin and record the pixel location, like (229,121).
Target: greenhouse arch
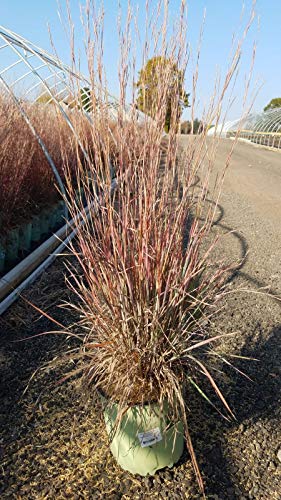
(263,128)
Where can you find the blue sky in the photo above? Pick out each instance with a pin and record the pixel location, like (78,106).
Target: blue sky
(29,18)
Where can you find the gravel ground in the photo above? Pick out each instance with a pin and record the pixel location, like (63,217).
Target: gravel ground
(53,442)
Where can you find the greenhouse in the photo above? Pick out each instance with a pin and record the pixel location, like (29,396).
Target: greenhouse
(263,128)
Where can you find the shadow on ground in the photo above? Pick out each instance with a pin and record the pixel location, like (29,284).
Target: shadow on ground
(239,459)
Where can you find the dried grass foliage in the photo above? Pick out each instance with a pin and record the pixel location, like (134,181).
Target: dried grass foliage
(27,181)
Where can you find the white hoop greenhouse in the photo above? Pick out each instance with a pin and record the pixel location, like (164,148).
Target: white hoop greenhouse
(263,128)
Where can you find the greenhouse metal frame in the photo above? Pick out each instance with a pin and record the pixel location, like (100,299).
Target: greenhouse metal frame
(30,74)
(263,128)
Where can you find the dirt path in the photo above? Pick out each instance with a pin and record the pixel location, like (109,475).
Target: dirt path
(250,207)
(251,204)
(255,176)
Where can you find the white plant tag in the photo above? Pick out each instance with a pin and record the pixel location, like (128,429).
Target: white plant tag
(150,437)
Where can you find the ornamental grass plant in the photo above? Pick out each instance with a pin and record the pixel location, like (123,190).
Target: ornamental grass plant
(147,288)
(26,179)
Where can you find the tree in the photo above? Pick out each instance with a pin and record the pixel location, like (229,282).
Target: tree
(86,99)
(198,126)
(274,103)
(161,84)
(185,127)
(45,98)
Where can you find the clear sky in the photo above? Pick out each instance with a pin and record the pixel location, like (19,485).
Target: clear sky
(29,18)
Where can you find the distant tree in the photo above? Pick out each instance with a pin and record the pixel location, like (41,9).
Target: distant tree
(185,127)
(274,103)
(86,98)
(198,126)
(45,98)
(149,85)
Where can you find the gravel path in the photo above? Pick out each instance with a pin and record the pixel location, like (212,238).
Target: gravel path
(53,443)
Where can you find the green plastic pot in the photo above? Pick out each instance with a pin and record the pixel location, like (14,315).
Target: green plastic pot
(36,229)
(25,231)
(83,196)
(2,258)
(60,214)
(79,195)
(144,441)
(53,217)
(45,223)
(12,245)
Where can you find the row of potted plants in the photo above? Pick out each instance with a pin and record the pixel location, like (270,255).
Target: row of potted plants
(26,178)
(21,239)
